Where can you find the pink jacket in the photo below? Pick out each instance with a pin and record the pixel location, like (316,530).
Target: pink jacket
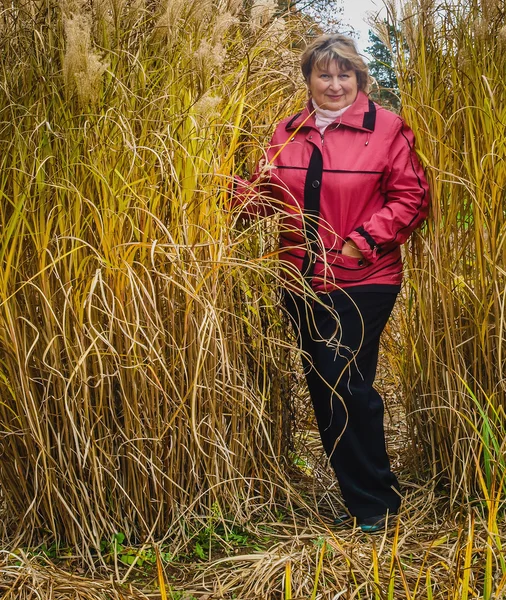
(360,181)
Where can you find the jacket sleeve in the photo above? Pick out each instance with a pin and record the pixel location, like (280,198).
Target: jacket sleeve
(406,196)
(254,197)
(250,197)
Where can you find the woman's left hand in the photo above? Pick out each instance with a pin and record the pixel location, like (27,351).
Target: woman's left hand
(351,250)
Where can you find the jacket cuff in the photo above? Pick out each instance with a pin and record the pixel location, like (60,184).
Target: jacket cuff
(248,198)
(365,243)
(241,193)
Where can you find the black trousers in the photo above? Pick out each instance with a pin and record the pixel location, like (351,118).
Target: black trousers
(340,342)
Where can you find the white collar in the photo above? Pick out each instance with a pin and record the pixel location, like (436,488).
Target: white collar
(324,118)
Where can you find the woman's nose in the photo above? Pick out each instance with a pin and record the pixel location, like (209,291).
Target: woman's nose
(335,83)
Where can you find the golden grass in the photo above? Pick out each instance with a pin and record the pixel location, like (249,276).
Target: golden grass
(146,376)
(453,94)
(432,553)
(139,389)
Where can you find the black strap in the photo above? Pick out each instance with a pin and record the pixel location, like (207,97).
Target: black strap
(311,216)
(370,117)
(292,120)
(368,238)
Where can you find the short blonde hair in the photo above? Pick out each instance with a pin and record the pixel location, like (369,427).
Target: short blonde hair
(341,48)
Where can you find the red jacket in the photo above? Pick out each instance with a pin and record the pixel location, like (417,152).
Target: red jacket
(361,181)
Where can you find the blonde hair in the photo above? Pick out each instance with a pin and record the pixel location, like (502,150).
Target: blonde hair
(341,48)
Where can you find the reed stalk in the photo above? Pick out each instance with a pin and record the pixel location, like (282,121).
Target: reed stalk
(144,371)
(453,95)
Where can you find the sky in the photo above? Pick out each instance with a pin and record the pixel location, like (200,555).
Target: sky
(355,11)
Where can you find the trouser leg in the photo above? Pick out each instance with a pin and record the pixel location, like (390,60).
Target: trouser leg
(340,343)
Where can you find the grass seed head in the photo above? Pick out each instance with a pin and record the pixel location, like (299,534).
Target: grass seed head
(223,23)
(168,23)
(277,31)
(209,58)
(262,12)
(207,106)
(82,67)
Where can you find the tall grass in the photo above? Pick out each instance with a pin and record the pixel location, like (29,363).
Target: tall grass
(145,376)
(138,394)
(453,93)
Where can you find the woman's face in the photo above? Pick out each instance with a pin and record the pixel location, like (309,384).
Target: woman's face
(332,88)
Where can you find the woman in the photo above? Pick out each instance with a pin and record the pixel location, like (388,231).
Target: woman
(347,176)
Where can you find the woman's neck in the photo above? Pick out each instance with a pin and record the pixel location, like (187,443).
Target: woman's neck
(324,118)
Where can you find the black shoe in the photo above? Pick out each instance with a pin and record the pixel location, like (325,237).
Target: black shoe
(377,523)
(344,520)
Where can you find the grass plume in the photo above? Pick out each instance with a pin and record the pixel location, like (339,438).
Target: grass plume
(453,93)
(137,392)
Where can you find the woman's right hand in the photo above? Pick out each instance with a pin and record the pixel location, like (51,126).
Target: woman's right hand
(264,171)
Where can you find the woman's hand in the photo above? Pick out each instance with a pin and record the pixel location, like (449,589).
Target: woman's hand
(263,171)
(350,249)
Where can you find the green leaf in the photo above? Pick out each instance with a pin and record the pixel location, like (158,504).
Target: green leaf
(199,551)
(119,537)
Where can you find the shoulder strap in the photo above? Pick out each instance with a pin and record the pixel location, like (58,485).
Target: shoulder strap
(370,117)
(292,120)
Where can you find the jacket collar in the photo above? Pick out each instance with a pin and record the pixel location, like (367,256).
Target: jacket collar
(361,115)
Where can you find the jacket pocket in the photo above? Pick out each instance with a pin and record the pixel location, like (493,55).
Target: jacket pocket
(338,259)
(340,269)
(351,262)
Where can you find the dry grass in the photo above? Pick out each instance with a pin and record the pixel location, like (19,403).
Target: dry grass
(143,367)
(454,95)
(27,579)
(437,552)
(433,554)
(147,382)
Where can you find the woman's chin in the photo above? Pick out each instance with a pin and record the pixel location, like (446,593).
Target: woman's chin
(333,105)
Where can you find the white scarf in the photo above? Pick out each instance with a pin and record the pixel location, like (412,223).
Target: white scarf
(324,118)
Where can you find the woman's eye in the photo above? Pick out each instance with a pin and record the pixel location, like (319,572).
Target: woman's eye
(343,76)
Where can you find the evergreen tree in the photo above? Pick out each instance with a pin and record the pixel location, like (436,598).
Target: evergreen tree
(381,68)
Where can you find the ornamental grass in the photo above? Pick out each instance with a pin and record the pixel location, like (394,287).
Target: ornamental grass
(453,91)
(156,436)
(144,371)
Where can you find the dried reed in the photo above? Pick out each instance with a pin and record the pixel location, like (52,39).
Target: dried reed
(453,93)
(140,392)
